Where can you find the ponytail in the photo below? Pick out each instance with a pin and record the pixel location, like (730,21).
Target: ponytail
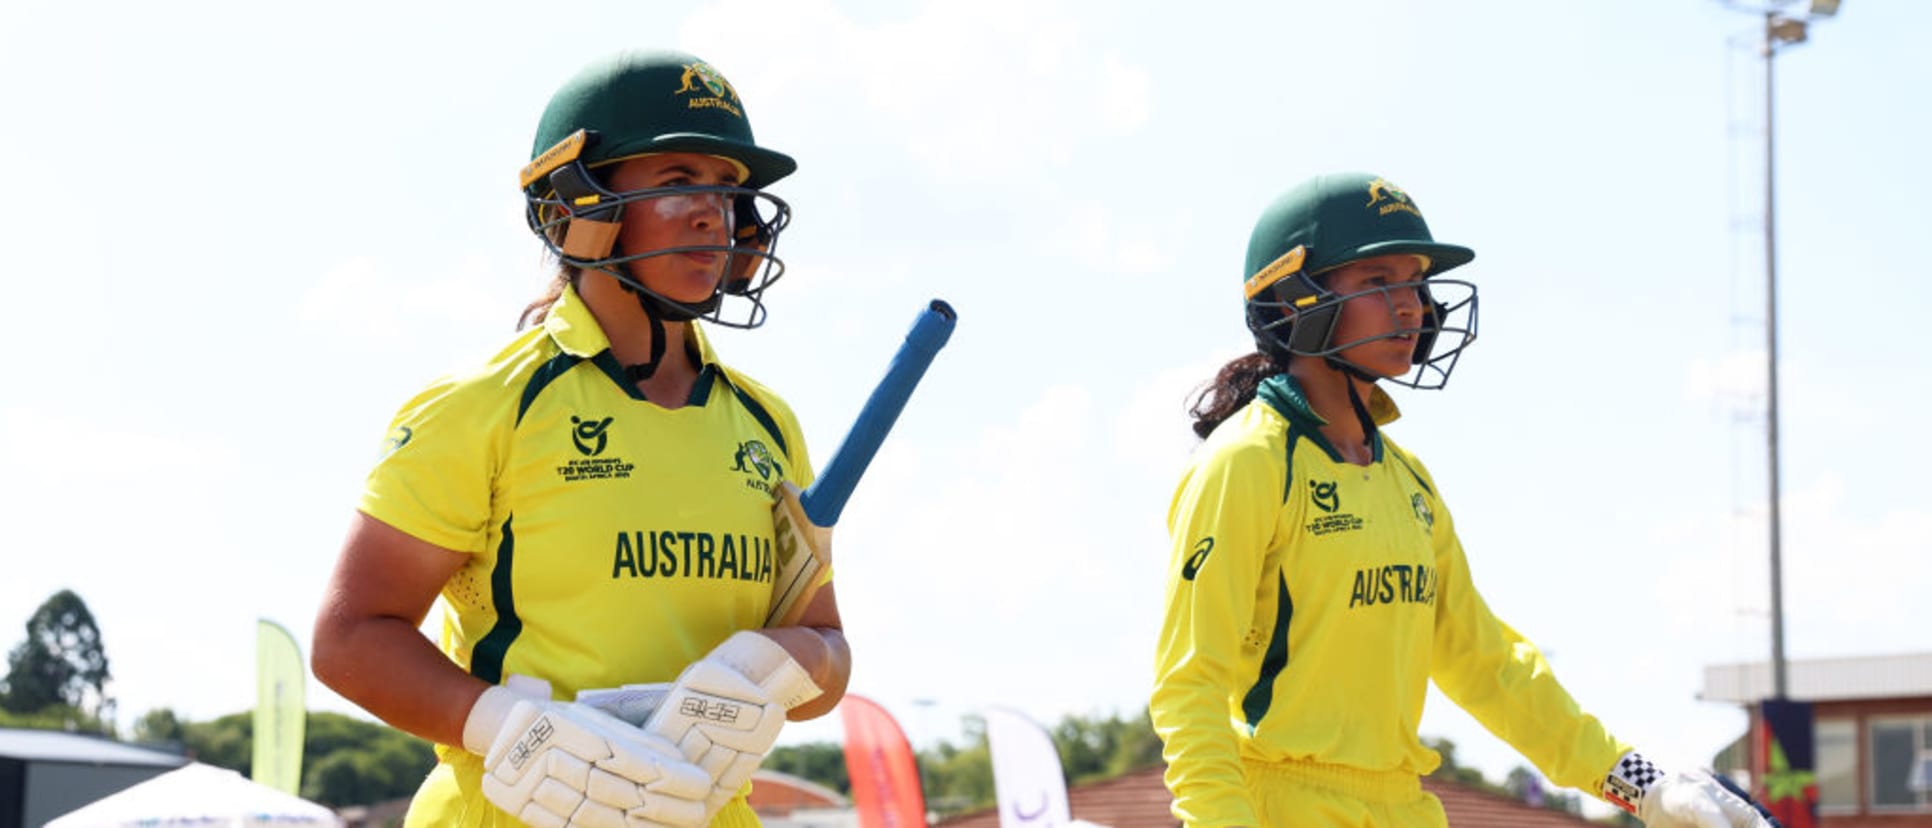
(1232,388)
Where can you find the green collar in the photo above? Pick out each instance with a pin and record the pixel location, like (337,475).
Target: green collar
(1283,394)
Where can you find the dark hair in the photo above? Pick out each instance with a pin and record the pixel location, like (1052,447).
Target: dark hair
(1232,387)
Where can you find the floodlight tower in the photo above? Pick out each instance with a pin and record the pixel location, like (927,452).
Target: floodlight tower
(1786,24)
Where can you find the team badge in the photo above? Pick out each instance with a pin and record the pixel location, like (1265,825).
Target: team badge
(1422,512)
(1390,198)
(701,76)
(759,465)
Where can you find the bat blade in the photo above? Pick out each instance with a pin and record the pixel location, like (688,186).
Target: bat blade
(801,551)
(801,521)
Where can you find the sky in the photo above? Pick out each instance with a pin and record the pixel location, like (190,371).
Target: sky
(245,234)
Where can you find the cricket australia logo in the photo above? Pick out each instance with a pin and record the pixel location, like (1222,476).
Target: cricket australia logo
(1390,198)
(591,436)
(1422,512)
(701,75)
(753,457)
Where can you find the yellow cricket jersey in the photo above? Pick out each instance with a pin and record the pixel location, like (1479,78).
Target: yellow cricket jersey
(1309,603)
(611,541)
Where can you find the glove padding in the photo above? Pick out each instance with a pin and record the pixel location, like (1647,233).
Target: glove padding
(554,764)
(726,709)
(1680,800)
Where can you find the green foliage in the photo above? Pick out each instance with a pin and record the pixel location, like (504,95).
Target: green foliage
(345,761)
(62,662)
(58,717)
(158,727)
(959,778)
(1092,749)
(1450,771)
(56,680)
(821,762)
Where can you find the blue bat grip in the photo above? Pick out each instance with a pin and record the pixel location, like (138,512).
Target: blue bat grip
(825,500)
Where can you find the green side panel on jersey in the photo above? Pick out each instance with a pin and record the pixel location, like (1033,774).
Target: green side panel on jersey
(701,390)
(763,417)
(1295,433)
(1262,694)
(1418,478)
(486,662)
(541,378)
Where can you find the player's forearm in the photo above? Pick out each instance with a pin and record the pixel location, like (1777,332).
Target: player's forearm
(388,668)
(826,657)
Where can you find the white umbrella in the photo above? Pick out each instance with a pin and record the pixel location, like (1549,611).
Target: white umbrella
(198,795)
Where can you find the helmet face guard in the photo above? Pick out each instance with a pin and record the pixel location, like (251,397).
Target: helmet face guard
(1297,316)
(577,218)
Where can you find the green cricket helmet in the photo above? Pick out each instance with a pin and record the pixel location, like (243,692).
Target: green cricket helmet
(640,103)
(1330,221)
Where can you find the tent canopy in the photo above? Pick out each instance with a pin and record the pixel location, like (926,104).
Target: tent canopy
(200,795)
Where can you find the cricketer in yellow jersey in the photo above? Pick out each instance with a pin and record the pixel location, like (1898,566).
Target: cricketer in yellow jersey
(1316,583)
(593,503)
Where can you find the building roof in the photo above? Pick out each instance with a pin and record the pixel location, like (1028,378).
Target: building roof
(78,748)
(1140,800)
(1823,679)
(774,792)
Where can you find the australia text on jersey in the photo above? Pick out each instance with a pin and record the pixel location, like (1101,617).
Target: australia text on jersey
(671,554)
(1395,583)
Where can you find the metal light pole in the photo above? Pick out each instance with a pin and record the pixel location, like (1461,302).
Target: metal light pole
(1780,30)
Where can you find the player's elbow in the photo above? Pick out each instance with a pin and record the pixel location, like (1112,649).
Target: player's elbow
(328,659)
(830,672)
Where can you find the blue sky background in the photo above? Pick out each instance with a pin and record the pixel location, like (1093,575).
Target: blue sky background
(242,236)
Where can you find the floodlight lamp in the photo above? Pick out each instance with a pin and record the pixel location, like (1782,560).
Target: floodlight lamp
(1823,8)
(1787,30)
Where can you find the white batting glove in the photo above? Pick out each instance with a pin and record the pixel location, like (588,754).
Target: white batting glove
(1678,800)
(726,709)
(633,703)
(554,764)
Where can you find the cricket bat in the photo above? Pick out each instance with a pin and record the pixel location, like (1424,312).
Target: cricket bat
(802,520)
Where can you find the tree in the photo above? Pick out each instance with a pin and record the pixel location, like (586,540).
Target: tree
(821,762)
(1098,748)
(61,662)
(345,761)
(158,727)
(1449,771)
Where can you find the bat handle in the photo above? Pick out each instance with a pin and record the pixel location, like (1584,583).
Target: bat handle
(826,499)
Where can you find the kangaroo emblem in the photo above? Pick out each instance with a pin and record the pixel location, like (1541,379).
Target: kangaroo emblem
(704,74)
(758,457)
(1381,187)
